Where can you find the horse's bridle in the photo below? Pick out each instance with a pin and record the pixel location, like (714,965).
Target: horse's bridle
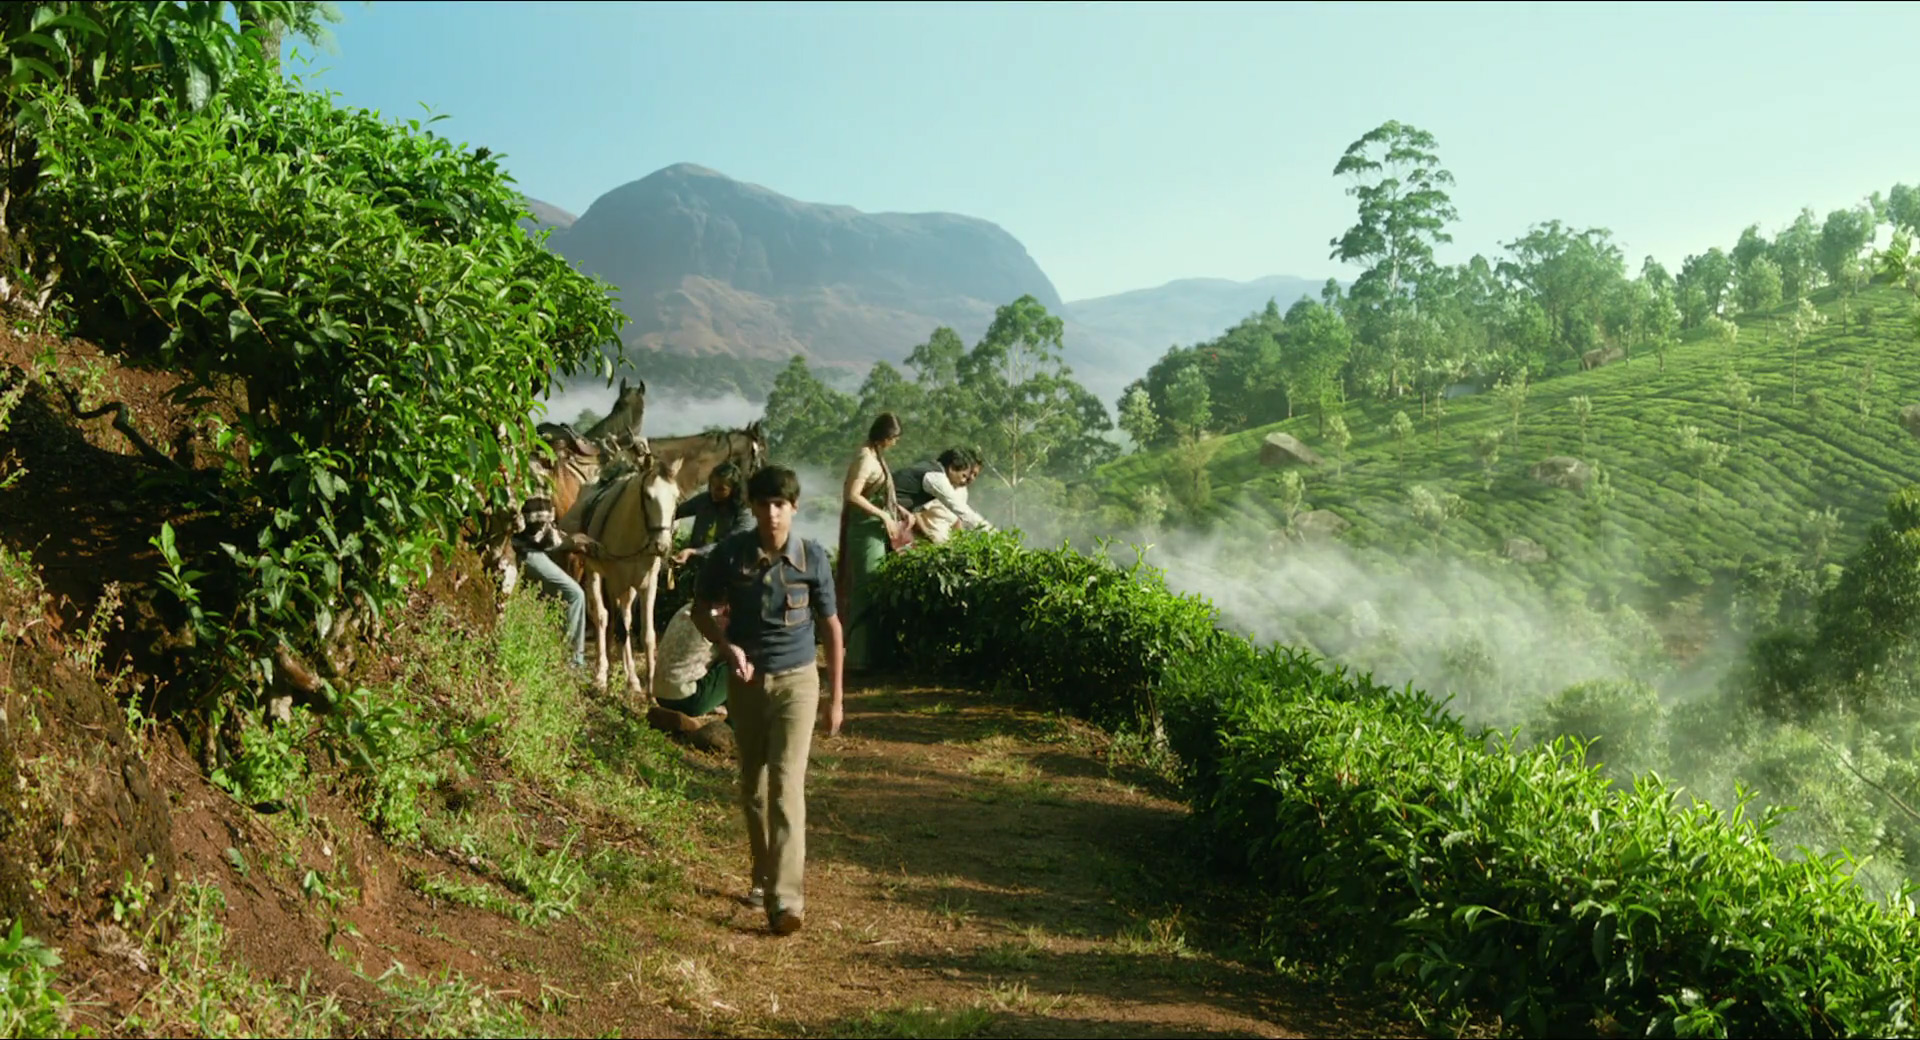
(647,510)
(756,452)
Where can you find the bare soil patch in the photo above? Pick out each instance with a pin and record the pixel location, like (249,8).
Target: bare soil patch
(979,869)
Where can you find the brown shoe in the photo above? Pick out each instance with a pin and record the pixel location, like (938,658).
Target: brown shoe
(786,923)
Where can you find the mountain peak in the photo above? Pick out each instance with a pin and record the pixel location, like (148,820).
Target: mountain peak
(707,264)
(686,169)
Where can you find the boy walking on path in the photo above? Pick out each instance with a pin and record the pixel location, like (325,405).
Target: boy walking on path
(776,588)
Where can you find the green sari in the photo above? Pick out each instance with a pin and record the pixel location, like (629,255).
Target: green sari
(863,547)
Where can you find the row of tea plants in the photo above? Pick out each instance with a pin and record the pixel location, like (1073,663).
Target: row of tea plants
(1473,869)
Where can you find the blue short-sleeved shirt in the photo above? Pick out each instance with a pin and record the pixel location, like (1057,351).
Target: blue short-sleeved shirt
(772,600)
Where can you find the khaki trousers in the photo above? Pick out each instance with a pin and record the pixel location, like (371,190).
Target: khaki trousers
(773,718)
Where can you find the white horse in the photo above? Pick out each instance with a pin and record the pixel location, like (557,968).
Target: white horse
(631,519)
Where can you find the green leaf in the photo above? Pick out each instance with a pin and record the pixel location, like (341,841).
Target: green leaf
(22,64)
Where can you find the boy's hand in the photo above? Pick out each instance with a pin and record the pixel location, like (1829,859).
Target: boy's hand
(742,667)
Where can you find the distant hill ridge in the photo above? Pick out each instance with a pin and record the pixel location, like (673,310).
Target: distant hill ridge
(709,266)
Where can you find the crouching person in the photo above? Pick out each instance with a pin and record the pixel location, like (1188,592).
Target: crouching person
(538,540)
(936,492)
(776,588)
(690,677)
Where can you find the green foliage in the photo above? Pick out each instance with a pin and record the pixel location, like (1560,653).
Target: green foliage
(1625,718)
(1338,437)
(392,750)
(1559,299)
(183,51)
(1486,448)
(1085,634)
(1189,404)
(1571,274)
(1750,507)
(1873,612)
(1514,397)
(1402,429)
(1433,509)
(1264,368)
(1582,414)
(367,289)
(1137,417)
(809,421)
(1383,832)
(1760,285)
(1032,416)
(1843,236)
(1189,481)
(1010,396)
(1519,878)
(270,767)
(29,1003)
(1404,208)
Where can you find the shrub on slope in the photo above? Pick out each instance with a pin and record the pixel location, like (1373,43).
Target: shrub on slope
(1459,862)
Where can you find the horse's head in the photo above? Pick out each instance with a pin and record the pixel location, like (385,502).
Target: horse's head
(660,496)
(631,399)
(756,432)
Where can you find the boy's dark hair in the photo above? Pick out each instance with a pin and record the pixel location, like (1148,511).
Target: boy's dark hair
(884,426)
(957,458)
(770,482)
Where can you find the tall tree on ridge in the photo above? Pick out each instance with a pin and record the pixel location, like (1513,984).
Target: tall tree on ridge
(1404,212)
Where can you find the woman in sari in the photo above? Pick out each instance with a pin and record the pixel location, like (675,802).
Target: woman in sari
(870,524)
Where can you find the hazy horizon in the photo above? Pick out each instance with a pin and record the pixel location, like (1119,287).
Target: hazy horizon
(1129,146)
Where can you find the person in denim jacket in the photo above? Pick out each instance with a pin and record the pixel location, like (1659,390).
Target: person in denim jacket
(776,588)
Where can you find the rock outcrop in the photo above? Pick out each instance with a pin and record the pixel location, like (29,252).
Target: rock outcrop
(1563,471)
(1284,449)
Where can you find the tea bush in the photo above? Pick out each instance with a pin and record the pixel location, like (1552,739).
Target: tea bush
(1090,636)
(1462,863)
(354,294)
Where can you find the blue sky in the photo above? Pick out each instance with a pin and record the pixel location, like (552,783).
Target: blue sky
(1127,145)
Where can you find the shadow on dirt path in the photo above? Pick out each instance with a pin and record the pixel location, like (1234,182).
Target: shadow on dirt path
(975,869)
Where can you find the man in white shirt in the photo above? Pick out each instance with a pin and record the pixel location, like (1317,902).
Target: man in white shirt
(936,493)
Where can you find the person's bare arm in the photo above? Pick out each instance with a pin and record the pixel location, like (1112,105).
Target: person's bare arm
(706,618)
(836,660)
(942,490)
(858,475)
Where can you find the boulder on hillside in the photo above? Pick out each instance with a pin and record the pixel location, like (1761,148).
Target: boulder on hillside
(1319,525)
(1910,418)
(1284,449)
(1563,471)
(1524,550)
(1601,356)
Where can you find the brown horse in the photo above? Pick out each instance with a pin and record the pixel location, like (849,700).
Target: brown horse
(701,453)
(578,457)
(631,519)
(622,425)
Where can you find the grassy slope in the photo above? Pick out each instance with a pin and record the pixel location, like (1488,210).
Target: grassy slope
(1785,463)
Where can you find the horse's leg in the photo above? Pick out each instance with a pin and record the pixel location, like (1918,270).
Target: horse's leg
(652,644)
(599,626)
(627,597)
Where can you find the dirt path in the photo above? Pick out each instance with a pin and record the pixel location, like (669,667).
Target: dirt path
(974,869)
(977,870)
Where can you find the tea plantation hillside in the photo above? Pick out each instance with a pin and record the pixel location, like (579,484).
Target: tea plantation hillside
(1832,436)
